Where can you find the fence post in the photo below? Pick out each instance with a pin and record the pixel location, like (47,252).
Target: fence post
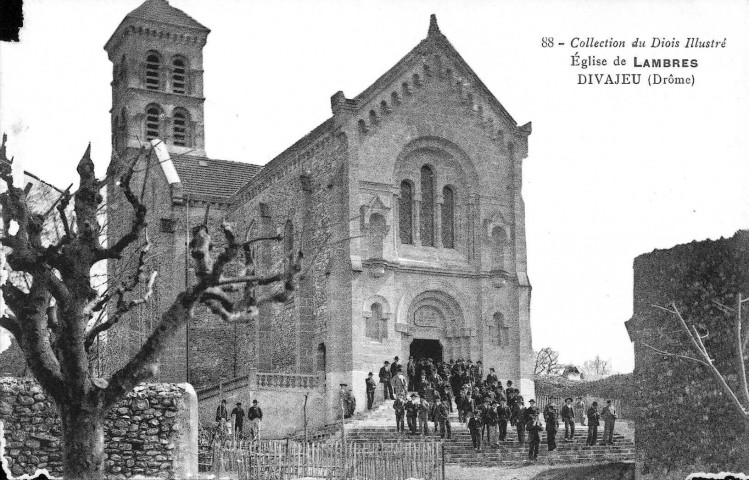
(443,460)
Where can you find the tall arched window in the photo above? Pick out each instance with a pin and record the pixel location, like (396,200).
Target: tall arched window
(406,213)
(252,233)
(448,218)
(153,71)
(153,121)
(373,321)
(376,233)
(179,75)
(288,238)
(498,241)
(502,338)
(427,206)
(180,127)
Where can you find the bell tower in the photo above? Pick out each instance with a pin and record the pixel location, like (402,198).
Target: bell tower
(157,80)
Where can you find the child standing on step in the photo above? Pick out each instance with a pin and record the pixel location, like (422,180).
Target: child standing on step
(475,426)
(400,411)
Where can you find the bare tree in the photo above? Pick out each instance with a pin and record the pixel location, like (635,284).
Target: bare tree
(53,320)
(739,396)
(547,361)
(596,368)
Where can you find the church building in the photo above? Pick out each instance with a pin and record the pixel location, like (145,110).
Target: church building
(406,203)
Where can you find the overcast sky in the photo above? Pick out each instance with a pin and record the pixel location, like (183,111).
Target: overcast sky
(613,171)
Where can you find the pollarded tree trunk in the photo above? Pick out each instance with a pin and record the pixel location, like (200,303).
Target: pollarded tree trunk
(82,442)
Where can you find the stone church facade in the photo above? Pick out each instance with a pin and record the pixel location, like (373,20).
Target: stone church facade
(406,203)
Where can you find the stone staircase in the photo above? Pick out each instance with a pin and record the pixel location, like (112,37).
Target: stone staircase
(378,425)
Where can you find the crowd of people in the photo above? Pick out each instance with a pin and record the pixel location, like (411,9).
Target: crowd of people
(484,403)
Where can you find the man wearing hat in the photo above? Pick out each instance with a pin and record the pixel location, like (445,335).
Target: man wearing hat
(254,415)
(534,428)
(593,421)
(371,387)
(580,410)
(568,417)
(424,409)
(412,411)
(399,405)
(551,416)
(475,427)
(609,416)
(238,414)
(385,377)
(520,418)
(532,408)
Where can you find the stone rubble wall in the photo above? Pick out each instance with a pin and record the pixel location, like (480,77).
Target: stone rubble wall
(153,431)
(685,421)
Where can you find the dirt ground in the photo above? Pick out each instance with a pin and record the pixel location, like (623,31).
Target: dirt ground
(607,471)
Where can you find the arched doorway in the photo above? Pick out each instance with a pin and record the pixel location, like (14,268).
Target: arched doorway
(424,348)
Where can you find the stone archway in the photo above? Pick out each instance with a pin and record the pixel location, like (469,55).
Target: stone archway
(435,316)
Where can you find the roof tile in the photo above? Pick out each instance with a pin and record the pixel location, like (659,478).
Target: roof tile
(213,179)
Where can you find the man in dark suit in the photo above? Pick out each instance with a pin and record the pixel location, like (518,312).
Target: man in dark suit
(594,419)
(568,417)
(503,416)
(371,387)
(387,387)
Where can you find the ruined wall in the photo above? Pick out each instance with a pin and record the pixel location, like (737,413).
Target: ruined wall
(685,422)
(153,431)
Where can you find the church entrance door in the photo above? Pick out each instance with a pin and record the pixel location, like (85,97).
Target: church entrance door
(421,348)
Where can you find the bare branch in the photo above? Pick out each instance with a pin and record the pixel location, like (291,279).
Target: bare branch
(676,355)
(139,222)
(122,308)
(740,348)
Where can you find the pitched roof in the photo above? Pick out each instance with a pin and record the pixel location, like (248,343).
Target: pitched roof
(161,11)
(212,179)
(437,38)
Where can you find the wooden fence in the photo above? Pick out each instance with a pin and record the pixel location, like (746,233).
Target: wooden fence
(623,410)
(281,460)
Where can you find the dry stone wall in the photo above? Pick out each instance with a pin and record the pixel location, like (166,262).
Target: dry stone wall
(152,432)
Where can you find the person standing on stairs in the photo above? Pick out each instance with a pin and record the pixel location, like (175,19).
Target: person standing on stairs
(424,409)
(387,387)
(608,414)
(593,421)
(503,416)
(399,382)
(399,405)
(411,371)
(475,427)
(534,428)
(371,387)
(521,419)
(551,416)
(568,417)
(580,411)
(443,416)
(412,411)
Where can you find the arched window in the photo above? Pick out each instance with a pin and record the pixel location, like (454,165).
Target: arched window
(376,233)
(179,75)
(502,337)
(406,213)
(498,241)
(373,321)
(252,233)
(427,206)
(180,125)
(448,218)
(123,68)
(321,358)
(153,121)
(288,238)
(120,136)
(153,71)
